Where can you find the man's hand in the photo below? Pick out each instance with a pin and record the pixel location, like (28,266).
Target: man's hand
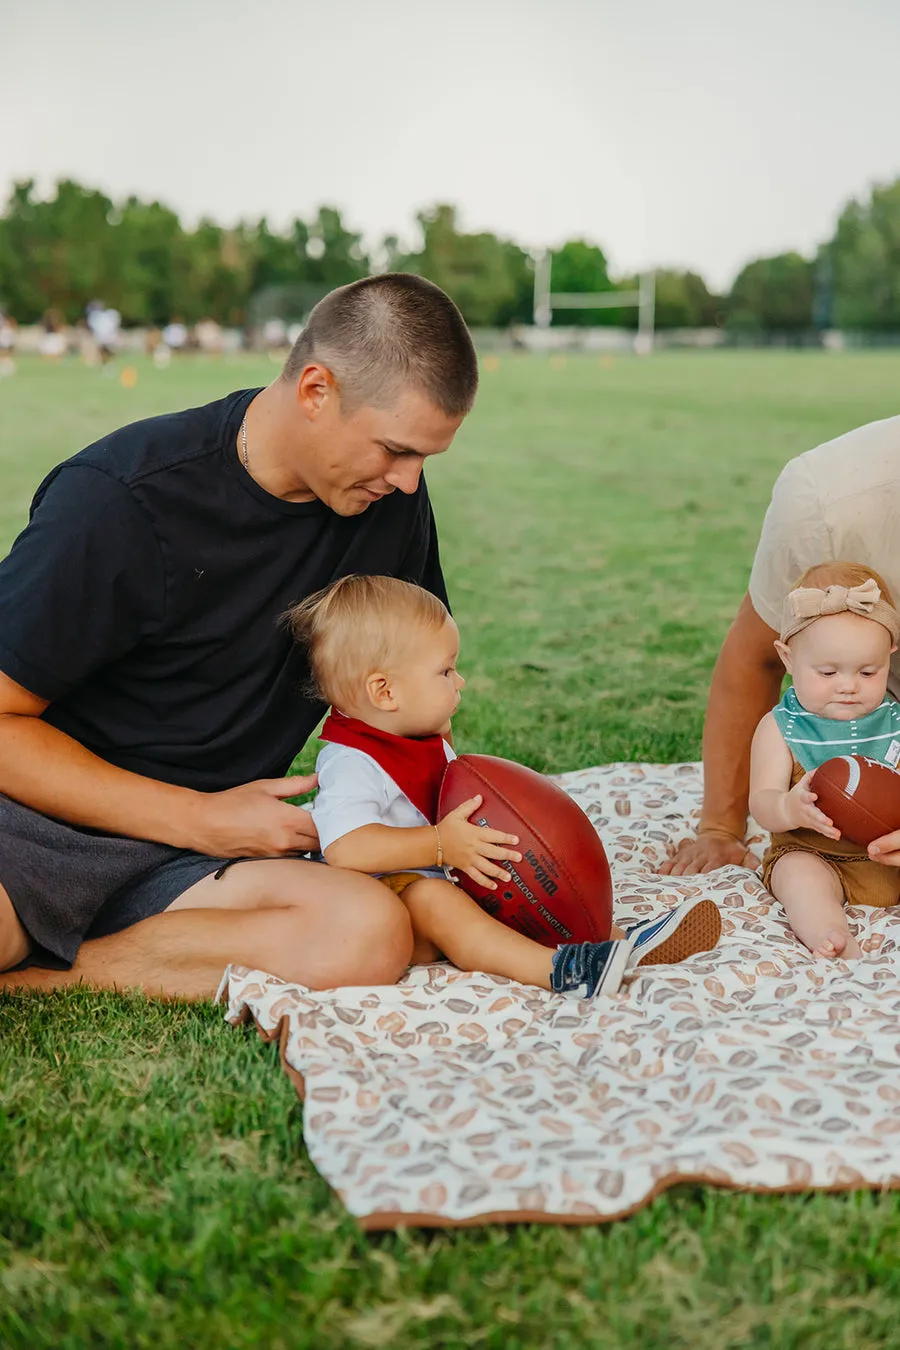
(253,820)
(886,849)
(706,851)
(744,686)
(473,849)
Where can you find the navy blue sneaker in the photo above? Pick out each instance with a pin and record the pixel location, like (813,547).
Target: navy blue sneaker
(694,926)
(588,968)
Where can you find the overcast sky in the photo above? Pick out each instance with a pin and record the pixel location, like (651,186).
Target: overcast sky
(691,132)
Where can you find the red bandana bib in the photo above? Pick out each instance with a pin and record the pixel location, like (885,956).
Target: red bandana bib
(415,764)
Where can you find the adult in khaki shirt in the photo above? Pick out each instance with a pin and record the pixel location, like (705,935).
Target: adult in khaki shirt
(840,501)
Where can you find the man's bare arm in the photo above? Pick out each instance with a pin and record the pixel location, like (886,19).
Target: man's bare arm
(745,684)
(49,771)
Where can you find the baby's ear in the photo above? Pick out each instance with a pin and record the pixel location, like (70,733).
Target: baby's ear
(784,652)
(379,693)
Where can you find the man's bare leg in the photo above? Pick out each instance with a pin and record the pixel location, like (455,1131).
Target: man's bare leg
(354,931)
(271,883)
(14,941)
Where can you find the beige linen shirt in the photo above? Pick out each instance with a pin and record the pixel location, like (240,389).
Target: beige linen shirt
(839,502)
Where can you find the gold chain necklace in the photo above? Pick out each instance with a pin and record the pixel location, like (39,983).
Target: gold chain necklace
(244,455)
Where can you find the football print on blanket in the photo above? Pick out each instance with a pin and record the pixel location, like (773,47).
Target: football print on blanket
(861,796)
(561,891)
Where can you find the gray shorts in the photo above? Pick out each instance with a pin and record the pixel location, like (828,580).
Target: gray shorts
(68,883)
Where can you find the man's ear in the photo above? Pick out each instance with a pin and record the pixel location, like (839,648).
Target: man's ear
(379,693)
(784,652)
(315,387)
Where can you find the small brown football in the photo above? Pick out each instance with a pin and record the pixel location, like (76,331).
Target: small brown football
(861,796)
(561,891)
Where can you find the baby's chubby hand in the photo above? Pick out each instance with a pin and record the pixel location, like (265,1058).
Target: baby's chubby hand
(802,812)
(475,849)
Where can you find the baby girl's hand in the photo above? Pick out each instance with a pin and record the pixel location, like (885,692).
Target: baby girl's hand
(473,849)
(803,813)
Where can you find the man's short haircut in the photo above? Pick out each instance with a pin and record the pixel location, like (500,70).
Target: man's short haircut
(359,625)
(385,333)
(825,574)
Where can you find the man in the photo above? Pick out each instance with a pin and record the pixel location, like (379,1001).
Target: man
(151,701)
(839,502)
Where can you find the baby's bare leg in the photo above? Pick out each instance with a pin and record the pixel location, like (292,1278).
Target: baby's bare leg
(443,915)
(813,901)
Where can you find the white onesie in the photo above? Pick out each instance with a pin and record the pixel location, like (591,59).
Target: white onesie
(355,791)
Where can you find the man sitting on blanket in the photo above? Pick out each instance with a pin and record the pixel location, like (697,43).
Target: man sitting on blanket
(148,694)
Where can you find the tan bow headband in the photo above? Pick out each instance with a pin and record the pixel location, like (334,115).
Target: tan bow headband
(806,604)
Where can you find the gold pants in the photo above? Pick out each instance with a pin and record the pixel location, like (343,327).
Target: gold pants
(398,881)
(863,881)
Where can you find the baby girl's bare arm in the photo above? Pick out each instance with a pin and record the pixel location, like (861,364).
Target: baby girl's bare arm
(773,802)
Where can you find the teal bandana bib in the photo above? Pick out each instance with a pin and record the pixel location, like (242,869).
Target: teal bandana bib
(813,739)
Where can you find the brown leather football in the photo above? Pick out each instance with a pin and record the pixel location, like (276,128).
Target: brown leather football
(561,891)
(861,796)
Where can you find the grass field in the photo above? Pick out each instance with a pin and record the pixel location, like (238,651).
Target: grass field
(597,521)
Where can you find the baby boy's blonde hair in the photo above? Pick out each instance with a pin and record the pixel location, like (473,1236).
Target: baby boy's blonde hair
(358,625)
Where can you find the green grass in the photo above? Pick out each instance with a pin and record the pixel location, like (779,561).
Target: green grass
(597,524)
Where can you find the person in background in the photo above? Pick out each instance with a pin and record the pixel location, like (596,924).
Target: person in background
(53,342)
(209,337)
(105,324)
(8,327)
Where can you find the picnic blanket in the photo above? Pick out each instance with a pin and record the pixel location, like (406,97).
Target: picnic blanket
(457,1098)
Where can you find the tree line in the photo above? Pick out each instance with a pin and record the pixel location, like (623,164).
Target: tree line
(61,251)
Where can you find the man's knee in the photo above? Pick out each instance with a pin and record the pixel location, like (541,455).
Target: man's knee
(365,939)
(14,942)
(379,945)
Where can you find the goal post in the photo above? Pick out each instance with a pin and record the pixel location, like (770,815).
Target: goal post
(546,300)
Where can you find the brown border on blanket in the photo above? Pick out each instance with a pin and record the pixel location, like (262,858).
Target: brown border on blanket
(380,1220)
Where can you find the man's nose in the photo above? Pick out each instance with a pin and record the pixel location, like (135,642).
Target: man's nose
(405,477)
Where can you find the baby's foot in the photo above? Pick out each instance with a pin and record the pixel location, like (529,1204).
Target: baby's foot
(836,942)
(588,968)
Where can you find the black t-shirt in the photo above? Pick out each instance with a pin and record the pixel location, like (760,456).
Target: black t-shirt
(143,598)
